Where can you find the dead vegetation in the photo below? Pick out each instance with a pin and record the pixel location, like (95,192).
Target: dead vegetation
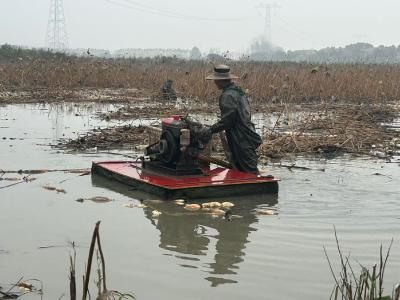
(321,109)
(322,130)
(101,283)
(365,285)
(156,110)
(21,288)
(44,94)
(265,82)
(109,138)
(337,130)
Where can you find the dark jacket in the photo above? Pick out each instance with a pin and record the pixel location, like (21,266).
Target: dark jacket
(243,140)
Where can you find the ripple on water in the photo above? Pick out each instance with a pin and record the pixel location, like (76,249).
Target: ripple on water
(257,257)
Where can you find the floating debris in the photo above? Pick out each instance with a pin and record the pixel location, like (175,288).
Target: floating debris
(26,287)
(7,295)
(179,202)
(42,171)
(11,179)
(108,138)
(156,213)
(218,212)
(134,205)
(229,216)
(212,204)
(28,179)
(266,212)
(49,188)
(97,199)
(227,204)
(52,246)
(192,207)
(53,188)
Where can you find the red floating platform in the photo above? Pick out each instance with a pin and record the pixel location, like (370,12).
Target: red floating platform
(215,182)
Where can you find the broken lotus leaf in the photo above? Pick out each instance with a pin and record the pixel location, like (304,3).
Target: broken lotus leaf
(25,286)
(266,212)
(156,213)
(12,178)
(99,199)
(192,207)
(217,212)
(49,188)
(227,204)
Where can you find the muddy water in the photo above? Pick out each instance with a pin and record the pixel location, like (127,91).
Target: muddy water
(182,255)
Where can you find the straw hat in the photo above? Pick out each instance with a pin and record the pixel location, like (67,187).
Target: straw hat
(221,72)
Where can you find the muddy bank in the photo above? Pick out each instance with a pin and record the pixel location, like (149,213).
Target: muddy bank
(154,108)
(63,94)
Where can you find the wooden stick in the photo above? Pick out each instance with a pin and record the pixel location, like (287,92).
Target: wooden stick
(224,143)
(213,160)
(72,278)
(41,171)
(89,263)
(103,263)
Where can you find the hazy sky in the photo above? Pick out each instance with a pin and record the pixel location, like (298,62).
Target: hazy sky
(296,24)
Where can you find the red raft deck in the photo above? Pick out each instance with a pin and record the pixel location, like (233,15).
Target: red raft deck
(215,182)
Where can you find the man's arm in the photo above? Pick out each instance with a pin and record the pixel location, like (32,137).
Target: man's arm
(228,107)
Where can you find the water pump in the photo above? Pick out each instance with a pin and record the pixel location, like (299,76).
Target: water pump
(177,151)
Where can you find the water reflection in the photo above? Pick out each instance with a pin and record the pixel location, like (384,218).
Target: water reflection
(197,237)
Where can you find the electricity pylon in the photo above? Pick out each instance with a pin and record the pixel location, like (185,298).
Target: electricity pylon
(268,20)
(56,37)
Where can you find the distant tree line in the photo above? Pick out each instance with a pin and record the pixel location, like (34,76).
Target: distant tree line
(156,52)
(260,50)
(13,53)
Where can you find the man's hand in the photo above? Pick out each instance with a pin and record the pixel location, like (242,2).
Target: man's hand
(191,123)
(204,135)
(202,132)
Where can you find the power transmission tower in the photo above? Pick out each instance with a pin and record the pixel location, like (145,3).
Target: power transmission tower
(56,37)
(268,20)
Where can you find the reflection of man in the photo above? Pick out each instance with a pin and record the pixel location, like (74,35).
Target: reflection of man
(241,135)
(187,233)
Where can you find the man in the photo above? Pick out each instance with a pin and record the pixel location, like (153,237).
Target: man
(241,135)
(167,91)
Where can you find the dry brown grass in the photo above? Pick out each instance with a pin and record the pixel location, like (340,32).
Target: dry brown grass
(335,130)
(265,82)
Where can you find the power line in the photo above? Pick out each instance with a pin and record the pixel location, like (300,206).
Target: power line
(133,5)
(297,32)
(56,36)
